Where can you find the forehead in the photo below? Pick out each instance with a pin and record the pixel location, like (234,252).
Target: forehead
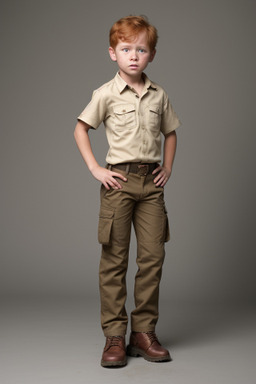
(140,39)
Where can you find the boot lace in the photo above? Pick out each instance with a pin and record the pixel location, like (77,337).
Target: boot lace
(114,340)
(152,337)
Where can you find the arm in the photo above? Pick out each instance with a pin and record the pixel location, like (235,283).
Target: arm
(165,171)
(106,177)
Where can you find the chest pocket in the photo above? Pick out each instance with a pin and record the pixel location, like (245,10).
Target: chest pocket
(125,116)
(154,116)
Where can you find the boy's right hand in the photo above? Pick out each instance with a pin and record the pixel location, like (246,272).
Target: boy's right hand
(108,178)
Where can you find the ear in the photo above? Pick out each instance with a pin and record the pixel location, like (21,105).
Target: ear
(152,56)
(112,54)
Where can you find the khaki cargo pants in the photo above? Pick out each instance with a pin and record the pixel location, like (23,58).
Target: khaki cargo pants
(142,203)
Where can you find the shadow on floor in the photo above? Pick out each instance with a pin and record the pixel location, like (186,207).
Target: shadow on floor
(190,324)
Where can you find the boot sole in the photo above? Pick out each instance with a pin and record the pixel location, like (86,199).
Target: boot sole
(112,364)
(136,352)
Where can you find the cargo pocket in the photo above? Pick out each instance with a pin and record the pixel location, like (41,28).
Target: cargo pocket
(105,225)
(167,227)
(125,116)
(154,116)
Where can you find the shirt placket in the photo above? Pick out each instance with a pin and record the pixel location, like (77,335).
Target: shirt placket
(142,128)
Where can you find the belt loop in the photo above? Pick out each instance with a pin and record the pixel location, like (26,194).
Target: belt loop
(127,169)
(109,167)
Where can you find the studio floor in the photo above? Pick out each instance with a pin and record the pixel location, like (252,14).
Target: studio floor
(60,342)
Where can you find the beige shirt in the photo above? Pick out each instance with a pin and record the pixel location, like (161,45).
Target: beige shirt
(133,124)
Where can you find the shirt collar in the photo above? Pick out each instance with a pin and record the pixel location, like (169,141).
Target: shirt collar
(148,82)
(121,84)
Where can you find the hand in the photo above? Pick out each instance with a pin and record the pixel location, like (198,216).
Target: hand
(107,178)
(163,176)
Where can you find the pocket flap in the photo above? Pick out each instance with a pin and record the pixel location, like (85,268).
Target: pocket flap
(106,213)
(123,108)
(155,108)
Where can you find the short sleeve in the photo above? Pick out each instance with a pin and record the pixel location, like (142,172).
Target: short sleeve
(95,112)
(170,120)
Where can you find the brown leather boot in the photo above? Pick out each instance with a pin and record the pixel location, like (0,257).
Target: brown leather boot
(114,354)
(146,344)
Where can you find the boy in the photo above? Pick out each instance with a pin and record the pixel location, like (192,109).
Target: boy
(134,111)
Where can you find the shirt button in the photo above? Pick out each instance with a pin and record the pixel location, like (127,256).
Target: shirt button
(124,110)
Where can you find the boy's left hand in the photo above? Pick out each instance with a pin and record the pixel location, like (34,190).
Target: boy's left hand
(163,176)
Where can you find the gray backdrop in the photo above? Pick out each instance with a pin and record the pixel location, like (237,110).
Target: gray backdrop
(53,55)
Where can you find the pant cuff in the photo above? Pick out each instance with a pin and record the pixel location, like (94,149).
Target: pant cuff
(120,332)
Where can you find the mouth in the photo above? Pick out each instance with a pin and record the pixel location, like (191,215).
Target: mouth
(133,66)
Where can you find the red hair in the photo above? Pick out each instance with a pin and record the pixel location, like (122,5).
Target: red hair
(128,28)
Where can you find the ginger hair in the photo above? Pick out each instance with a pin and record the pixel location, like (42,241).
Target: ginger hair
(128,28)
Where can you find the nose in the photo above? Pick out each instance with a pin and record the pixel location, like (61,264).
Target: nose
(134,55)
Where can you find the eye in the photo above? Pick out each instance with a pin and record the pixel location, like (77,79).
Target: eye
(125,49)
(141,50)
